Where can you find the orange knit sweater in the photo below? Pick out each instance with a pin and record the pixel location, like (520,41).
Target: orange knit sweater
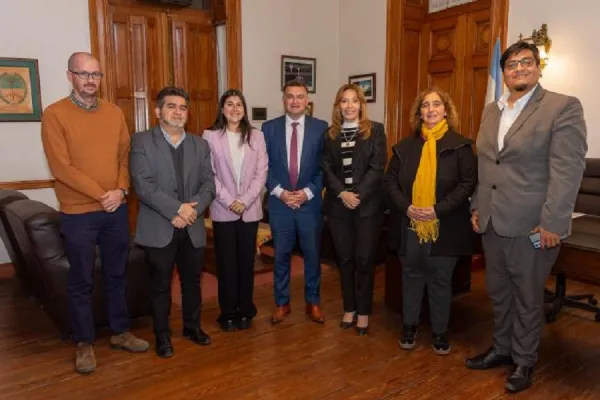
(87,152)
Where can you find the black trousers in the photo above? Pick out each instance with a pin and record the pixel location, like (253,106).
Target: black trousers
(355,240)
(420,269)
(235,249)
(189,261)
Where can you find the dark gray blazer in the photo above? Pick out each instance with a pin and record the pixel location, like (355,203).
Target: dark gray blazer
(153,177)
(534,179)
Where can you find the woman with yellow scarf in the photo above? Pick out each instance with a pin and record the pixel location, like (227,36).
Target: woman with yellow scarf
(432,174)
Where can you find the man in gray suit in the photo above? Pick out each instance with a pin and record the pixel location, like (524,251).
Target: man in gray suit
(531,148)
(172,175)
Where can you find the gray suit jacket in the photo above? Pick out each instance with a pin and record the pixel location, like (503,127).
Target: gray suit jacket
(535,178)
(153,177)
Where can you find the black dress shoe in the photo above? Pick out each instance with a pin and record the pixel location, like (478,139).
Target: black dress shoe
(244,323)
(489,359)
(197,336)
(520,379)
(227,326)
(164,348)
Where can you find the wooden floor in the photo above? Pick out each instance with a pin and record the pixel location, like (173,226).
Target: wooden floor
(295,360)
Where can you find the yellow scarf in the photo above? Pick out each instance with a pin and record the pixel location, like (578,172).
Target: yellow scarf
(423,193)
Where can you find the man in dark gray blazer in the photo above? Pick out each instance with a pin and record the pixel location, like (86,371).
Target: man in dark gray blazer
(172,175)
(531,148)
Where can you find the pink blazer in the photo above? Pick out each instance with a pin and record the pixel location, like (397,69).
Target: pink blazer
(254,176)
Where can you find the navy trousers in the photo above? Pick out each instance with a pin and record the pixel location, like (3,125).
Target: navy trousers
(285,228)
(110,232)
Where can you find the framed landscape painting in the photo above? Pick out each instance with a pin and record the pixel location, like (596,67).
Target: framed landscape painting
(20,97)
(301,69)
(368,84)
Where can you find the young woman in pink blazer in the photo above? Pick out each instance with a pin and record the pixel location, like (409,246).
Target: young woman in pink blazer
(239,160)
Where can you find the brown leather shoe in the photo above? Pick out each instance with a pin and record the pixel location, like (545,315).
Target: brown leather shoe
(280,313)
(313,311)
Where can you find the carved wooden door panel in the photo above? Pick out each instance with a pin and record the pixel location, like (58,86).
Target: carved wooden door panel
(454,57)
(136,47)
(193,51)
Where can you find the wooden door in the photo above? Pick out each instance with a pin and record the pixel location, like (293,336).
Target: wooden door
(194,68)
(449,49)
(454,57)
(136,45)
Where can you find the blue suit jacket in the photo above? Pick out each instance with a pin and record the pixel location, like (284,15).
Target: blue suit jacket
(310,163)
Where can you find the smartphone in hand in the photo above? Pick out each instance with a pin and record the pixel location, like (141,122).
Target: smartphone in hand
(535,239)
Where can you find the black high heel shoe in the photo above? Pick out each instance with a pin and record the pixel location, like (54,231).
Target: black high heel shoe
(348,325)
(362,330)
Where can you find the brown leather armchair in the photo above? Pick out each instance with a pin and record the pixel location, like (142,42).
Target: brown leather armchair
(35,231)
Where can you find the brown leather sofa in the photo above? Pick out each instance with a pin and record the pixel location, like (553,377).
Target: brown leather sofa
(33,231)
(579,257)
(7,197)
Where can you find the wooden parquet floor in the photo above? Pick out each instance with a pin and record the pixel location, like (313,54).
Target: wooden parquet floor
(294,360)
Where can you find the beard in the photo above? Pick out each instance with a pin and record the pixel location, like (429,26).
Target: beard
(520,87)
(174,124)
(93,90)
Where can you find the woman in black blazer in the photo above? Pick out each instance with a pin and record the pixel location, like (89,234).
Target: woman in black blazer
(354,158)
(431,176)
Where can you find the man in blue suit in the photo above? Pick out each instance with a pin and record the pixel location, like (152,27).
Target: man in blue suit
(294,183)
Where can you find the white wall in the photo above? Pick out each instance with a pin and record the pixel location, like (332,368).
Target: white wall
(54,30)
(575,53)
(362,45)
(271,28)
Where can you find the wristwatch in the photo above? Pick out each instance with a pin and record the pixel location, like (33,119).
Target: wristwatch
(124,193)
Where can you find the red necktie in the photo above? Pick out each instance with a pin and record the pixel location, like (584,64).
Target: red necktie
(294,155)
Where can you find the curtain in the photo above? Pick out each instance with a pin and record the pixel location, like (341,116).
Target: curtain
(221,59)
(439,5)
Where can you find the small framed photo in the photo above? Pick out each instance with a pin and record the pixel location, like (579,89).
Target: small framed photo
(299,68)
(309,108)
(368,84)
(20,96)
(259,113)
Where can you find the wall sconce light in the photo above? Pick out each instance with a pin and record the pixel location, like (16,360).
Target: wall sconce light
(542,41)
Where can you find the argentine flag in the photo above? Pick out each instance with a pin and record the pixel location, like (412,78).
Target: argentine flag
(494,86)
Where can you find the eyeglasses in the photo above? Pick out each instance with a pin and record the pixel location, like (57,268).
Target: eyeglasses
(525,63)
(87,75)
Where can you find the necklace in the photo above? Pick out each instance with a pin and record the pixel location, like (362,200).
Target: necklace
(354,132)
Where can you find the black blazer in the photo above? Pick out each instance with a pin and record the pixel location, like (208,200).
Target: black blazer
(368,167)
(456,181)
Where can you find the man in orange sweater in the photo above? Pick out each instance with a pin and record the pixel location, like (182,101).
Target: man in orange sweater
(86,142)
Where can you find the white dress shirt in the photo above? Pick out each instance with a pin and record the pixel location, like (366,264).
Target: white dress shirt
(237,156)
(509,115)
(288,140)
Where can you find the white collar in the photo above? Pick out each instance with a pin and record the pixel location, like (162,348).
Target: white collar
(503,101)
(289,120)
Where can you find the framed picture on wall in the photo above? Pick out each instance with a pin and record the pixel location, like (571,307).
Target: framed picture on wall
(368,84)
(309,108)
(20,96)
(299,68)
